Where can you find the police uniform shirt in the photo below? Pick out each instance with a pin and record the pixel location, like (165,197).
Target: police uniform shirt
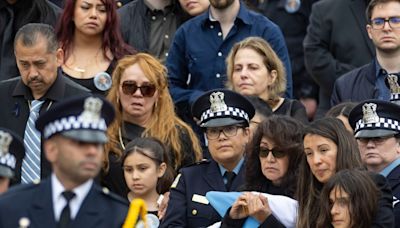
(386,171)
(235,170)
(59,201)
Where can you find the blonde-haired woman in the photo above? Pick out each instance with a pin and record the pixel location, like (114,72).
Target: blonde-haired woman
(144,107)
(253,68)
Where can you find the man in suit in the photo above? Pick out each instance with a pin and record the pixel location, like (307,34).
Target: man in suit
(11,150)
(376,127)
(368,81)
(74,133)
(224,115)
(38,58)
(336,42)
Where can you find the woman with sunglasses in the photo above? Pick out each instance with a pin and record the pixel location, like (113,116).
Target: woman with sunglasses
(329,148)
(271,168)
(144,107)
(88,32)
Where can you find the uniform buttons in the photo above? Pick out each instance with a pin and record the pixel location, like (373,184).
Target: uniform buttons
(218,75)
(166,54)
(194,212)
(166,36)
(219,54)
(211,26)
(153,18)
(119,4)
(164,18)
(220,34)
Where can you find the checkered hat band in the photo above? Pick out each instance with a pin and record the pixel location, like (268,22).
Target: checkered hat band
(8,160)
(73,123)
(383,123)
(230,112)
(394,96)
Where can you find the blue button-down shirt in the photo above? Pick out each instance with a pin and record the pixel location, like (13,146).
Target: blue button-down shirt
(383,90)
(196,60)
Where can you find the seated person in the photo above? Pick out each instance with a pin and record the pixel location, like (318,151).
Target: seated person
(224,115)
(271,168)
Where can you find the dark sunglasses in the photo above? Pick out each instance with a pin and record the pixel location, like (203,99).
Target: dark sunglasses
(130,87)
(276,153)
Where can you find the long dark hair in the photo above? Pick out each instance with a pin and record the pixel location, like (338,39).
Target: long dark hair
(363,197)
(156,151)
(112,38)
(308,187)
(286,134)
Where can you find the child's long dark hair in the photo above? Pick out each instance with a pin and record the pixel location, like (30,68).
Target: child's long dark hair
(156,151)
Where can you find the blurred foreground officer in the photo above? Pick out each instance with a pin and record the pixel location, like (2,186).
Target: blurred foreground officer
(225,116)
(74,132)
(376,127)
(11,150)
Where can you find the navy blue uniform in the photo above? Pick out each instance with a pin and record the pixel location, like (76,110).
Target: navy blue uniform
(394,182)
(187,206)
(34,202)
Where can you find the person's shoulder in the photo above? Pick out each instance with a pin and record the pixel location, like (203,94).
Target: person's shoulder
(19,192)
(194,167)
(113,198)
(9,82)
(360,71)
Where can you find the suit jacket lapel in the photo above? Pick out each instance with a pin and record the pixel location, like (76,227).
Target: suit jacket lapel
(358,10)
(213,177)
(41,214)
(88,214)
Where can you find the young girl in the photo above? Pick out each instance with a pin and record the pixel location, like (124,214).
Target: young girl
(349,199)
(146,171)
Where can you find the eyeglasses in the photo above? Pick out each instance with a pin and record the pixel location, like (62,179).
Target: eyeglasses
(379,23)
(229,131)
(130,87)
(375,140)
(276,153)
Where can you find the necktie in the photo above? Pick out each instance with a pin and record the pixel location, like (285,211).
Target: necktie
(31,162)
(65,217)
(230,176)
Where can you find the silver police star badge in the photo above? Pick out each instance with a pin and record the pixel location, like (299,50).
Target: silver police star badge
(369,113)
(217,102)
(92,110)
(393,83)
(5,141)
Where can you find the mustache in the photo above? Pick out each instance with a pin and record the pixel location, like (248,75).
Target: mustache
(36,78)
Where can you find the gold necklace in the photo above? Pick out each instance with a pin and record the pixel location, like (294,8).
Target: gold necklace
(120,138)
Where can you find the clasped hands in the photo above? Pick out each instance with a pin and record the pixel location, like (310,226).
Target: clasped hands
(250,204)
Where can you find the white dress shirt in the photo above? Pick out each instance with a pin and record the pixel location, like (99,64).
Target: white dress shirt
(59,201)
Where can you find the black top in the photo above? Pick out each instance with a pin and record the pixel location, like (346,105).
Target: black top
(293,108)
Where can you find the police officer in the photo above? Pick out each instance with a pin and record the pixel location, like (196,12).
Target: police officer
(74,132)
(376,127)
(11,150)
(224,115)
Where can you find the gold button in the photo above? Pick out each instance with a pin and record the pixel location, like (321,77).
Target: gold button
(194,212)
(119,4)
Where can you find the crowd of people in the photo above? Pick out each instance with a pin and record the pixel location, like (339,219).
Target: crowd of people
(290,108)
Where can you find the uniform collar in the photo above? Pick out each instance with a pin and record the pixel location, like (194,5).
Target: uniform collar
(236,170)
(386,171)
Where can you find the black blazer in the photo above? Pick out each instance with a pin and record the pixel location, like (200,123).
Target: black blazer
(14,112)
(394,182)
(336,42)
(99,208)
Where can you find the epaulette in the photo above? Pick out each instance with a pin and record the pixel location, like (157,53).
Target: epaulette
(113,196)
(201,162)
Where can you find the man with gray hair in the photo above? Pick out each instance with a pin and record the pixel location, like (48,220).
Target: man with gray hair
(40,85)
